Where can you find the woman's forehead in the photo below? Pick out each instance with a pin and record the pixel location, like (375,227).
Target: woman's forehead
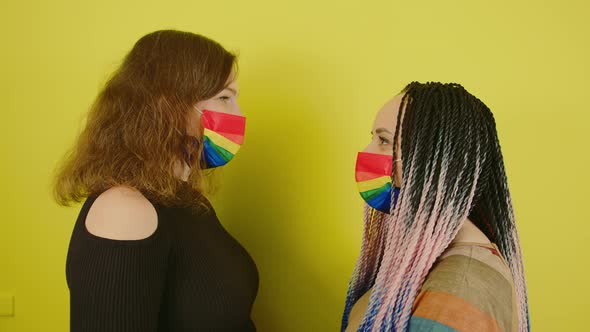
(387,116)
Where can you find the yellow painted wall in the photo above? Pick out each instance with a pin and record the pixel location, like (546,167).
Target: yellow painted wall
(313,74)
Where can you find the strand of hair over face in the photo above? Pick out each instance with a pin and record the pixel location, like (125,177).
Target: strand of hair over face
(452,169)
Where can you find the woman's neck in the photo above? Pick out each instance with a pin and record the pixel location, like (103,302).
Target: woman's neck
(470,233)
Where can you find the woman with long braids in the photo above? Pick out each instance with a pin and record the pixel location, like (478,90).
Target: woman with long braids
(440,248)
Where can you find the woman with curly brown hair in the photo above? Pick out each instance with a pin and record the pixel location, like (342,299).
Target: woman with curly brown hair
(147,252)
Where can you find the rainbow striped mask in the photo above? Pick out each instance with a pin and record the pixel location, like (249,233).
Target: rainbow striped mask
(373,178)
(223,135)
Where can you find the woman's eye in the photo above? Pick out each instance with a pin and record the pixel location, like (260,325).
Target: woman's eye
(383,141)
(224,98)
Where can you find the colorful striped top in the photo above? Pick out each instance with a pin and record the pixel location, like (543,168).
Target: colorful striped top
(469,288)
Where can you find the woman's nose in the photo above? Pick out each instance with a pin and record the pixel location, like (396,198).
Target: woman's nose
(237,111)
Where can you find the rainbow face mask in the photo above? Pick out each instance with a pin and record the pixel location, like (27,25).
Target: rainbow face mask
(373,177)
(223,135)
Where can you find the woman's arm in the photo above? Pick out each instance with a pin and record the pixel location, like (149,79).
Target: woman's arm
(117,266)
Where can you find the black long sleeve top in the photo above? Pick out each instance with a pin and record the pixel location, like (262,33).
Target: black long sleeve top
(189,275)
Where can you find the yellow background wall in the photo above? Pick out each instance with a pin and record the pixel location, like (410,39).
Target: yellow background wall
(313,74)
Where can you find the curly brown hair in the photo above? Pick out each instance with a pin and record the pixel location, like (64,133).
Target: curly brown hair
(135,133)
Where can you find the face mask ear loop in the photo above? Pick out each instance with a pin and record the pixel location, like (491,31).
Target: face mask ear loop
(188,155)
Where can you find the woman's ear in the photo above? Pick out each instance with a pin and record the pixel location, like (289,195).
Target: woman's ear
(193,125)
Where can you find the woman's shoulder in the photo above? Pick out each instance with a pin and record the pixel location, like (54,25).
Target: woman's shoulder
(116,230)
(475,261)
(470,284)
(467,268)
(121,213)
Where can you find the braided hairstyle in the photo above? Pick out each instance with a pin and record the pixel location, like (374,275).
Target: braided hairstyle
(452,170)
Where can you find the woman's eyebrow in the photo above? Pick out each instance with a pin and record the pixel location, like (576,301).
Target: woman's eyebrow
(380,130)
(234,91)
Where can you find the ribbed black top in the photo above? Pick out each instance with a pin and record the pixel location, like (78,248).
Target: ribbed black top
(190,275)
